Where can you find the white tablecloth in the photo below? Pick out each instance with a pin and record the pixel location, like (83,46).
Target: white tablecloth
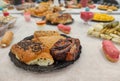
(91,66)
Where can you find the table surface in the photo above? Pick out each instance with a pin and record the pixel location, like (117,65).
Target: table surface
(91,66)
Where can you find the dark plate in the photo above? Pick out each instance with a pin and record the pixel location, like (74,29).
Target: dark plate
(35,68)
(49,23)
(36,16)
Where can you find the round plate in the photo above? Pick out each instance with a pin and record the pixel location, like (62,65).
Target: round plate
(106,9)
(36,16)
(35,68)
(49,23)
(101,21)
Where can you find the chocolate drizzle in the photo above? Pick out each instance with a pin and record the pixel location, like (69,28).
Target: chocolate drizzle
(28,44)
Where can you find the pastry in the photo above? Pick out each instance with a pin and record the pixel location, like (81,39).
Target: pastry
(45,33)
(65,49)
(41,23)
(110,51)
(109,31)
(7,39)
(57,18)
(49,41)
(31,53)
(63,28)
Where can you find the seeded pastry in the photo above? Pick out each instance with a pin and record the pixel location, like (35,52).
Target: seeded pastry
(31,53)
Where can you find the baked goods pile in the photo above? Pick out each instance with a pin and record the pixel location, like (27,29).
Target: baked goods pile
(109,31)
(43,9)
(107,7)
(102,17)
(56,18)
(8,20)
(45,48)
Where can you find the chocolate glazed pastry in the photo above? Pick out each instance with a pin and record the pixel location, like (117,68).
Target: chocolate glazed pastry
(65,49)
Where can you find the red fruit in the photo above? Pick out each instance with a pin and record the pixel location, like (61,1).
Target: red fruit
(111,52)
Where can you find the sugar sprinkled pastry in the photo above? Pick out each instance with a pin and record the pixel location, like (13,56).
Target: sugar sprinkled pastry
(7,39)
(110,51)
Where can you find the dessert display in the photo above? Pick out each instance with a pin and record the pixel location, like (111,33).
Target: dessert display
(72,4)
(106,7)
(25,6)
(56,18)
(7,19)
(109,31)
(64,28)
(10,7)
(100,17)
(45,51)
(43,9)
(110,51)
(6,39)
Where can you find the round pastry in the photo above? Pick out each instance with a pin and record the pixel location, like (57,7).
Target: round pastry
(65,49)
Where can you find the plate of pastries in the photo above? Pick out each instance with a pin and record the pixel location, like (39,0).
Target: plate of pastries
(108,31)
(57,18)
(43,9)
(45,51)
(101,17)
(108,7)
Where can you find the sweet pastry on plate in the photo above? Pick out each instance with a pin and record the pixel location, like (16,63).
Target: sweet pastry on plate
(56,18)
(110,51)
(31,53)
(40,52)
(65,49)
(106,7)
